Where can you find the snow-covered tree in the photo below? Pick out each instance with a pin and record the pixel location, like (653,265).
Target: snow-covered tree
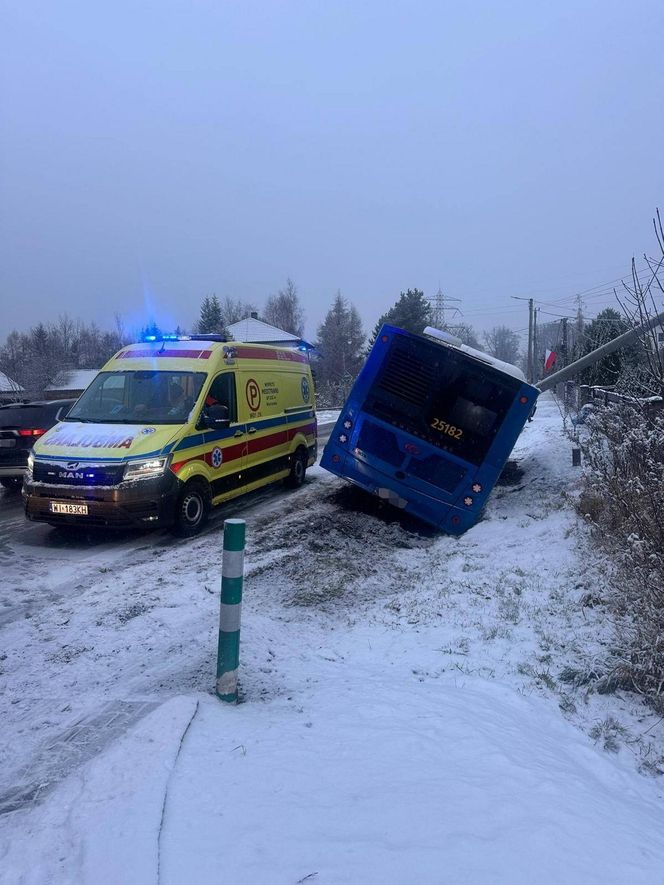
(340,342)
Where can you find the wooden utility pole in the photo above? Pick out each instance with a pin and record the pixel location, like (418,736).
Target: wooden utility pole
(563,344)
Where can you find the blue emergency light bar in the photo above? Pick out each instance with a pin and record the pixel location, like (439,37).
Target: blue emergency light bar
(213,336)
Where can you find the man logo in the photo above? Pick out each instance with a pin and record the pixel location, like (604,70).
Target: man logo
(216,457)
(72,465)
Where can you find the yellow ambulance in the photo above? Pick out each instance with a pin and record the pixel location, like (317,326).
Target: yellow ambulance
(171,427)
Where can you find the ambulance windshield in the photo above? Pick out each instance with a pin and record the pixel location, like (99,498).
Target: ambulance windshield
(145,397)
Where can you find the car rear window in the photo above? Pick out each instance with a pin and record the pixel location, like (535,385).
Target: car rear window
(32,415)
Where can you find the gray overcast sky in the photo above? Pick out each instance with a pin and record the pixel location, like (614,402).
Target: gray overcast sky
(152,153)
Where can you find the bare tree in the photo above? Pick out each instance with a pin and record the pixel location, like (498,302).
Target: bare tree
(502,343)
(639,305)
(465,332)
(234,309)
(284,311)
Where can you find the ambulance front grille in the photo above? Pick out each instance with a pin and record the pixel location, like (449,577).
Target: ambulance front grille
(74,473)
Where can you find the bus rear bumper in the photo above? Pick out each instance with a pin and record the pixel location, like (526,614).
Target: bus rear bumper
(440,514)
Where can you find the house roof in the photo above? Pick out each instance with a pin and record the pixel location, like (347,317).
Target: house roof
(75,379)
(7,385)
(257,332)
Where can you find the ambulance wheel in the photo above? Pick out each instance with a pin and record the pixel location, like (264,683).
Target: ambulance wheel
(193,508)
(298,469)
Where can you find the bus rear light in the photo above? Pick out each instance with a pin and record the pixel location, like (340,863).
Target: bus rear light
(385,338)
(468,501)
(456,520)
(523,400)
(336,458)
(477,488)
(343,438)
(348,424)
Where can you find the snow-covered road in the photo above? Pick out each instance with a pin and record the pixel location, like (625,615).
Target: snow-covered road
(405,708)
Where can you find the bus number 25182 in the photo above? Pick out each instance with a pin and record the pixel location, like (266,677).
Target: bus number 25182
(449,429)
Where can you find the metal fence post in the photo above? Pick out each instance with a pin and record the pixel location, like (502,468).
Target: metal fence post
(232,573)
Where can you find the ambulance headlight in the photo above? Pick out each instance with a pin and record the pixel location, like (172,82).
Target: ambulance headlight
(146,469)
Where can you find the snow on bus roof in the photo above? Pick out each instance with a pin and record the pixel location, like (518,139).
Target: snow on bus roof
(446,338)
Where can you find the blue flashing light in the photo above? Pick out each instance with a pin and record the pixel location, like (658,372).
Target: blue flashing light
(169,337)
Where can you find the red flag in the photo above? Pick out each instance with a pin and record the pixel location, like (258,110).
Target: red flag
(549,360)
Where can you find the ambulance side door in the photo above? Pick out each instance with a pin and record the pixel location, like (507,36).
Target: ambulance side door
(226,450)
(267,427)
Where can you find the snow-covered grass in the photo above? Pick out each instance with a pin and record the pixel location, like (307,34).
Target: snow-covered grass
(412,704)
(325,416)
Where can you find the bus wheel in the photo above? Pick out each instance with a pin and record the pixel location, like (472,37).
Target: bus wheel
(298,469)
(193,508)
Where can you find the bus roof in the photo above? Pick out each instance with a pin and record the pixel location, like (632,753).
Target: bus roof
(451,341)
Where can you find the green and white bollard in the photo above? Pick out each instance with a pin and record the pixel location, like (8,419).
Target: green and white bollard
(232,573)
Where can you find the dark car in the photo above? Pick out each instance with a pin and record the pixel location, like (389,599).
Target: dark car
(20,425)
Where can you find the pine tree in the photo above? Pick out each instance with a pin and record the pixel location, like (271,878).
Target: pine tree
(211,319)
(340,342)
(606,326)
(411,312)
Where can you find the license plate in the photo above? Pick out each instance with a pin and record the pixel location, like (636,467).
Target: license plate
(7,443)
(69,509)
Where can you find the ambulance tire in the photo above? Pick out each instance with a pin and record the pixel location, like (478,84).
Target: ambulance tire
(298,468)
(192,508)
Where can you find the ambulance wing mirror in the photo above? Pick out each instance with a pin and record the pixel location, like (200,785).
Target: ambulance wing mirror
(216,417)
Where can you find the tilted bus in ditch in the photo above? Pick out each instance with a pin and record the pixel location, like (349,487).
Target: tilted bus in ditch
(429,426)
(169,428)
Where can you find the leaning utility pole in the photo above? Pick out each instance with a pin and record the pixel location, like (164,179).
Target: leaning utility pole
(594,356)
(530,340)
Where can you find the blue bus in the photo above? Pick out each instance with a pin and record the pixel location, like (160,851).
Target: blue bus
(429,425)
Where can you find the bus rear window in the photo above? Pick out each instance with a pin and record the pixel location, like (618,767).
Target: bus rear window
(434,393)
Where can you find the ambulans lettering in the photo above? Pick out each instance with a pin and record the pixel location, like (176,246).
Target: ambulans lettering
(69,437)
